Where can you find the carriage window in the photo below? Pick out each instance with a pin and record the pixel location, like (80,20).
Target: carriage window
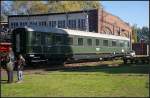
(48,39)
(97,42)
(12,24)
(89,42)
(69,41)
(36,49)
(121,44)
(58,40)
(105,42)
(114,43)
(80,41)
(36,39)
(128,44)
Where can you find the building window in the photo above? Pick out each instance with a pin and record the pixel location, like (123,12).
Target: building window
(35,23)
(105,42)
(12,24)
(43,23)
(30,23)
(39,23)
(72,24)
(20,23)
(16,24)
(81,24)
(50,23)
(26,23)
(80,41)
(23,24)
(61,24)
(53,24)
(89,42)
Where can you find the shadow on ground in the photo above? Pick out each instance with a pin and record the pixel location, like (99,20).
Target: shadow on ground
(114,69)
(139,69)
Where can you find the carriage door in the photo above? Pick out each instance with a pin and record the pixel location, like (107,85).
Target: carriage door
(18,42)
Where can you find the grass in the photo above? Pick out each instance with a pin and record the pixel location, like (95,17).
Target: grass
(89,81)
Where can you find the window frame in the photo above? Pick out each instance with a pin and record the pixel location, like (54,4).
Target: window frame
(80,41)
(105,44)
(89,42)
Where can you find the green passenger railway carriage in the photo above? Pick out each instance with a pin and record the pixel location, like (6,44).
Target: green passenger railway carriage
(67,45)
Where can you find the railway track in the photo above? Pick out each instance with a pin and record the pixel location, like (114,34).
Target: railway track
(51,67)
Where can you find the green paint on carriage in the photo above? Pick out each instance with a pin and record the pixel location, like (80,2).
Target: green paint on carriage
(64,42)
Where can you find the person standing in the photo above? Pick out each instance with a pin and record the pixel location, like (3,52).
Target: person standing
(10,65)
(20,65)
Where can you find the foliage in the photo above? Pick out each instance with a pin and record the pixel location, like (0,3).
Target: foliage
(143,34)
(140,33)
(5,10)
(38,7)
(134,33)
(64,6)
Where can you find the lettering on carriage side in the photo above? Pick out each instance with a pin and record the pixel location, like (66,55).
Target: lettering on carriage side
(97,49)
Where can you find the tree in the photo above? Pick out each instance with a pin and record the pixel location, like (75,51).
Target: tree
(5,10)
(134,33)
(145,30)
(142,34)
(29,7)
(38,7)
(65,6)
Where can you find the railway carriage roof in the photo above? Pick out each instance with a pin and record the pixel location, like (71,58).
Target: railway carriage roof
(77,32)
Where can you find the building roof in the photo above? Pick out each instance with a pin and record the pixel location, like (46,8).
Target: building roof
(77,32)
(72,12)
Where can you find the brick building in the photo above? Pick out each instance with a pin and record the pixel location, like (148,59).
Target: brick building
(95,20)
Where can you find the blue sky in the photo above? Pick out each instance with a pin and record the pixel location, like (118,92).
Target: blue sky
(134,12)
